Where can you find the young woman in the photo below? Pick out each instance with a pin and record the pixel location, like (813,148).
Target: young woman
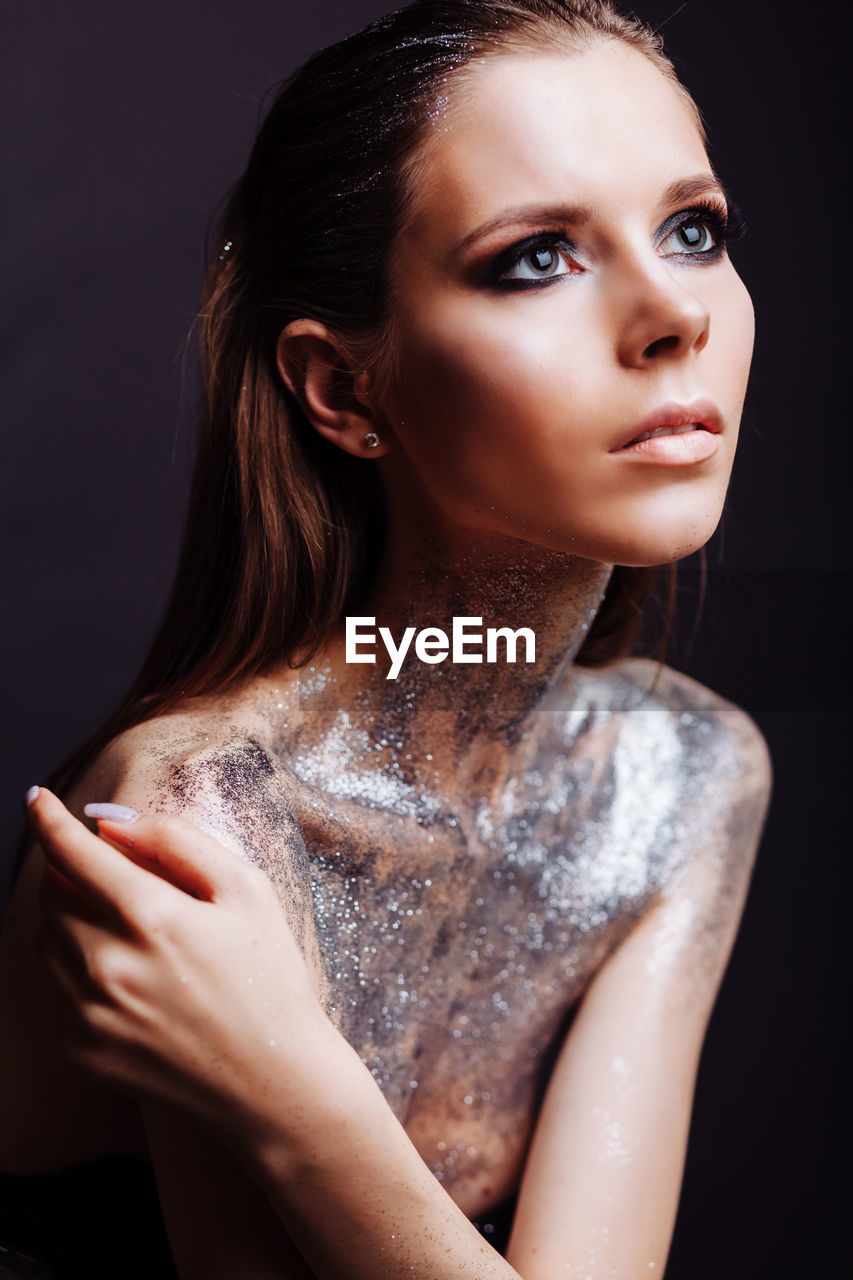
(476,360)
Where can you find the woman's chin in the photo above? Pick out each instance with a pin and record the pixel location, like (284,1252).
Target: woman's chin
(660,546)
(653,534)
(643,543)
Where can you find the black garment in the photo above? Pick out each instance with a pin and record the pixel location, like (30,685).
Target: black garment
(22,1266)
(497,1225)
(102,1221)
(97,1221)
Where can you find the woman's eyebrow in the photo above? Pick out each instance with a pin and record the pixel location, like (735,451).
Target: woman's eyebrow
(702,184)
(678,192)
(575,214)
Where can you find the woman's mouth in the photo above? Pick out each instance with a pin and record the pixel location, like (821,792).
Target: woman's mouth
(664,431)
(675,434)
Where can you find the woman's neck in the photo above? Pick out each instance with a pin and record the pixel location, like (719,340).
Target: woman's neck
(427,721)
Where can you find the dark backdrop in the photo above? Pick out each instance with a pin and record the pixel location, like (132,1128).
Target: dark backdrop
(123,125)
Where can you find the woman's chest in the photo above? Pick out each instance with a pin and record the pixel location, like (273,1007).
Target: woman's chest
(456,942)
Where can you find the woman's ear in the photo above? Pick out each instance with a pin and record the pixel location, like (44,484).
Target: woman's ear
(334,396)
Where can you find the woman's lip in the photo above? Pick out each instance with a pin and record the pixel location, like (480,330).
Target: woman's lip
(701,411)
(673,451)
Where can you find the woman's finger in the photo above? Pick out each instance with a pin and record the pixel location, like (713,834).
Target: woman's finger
(55,890)
(177,851)
(163,847)
(103,876)
(63,949)
(61,956)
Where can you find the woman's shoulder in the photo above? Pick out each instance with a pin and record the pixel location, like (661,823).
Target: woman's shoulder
(656,702)
(211,762)
(687,772)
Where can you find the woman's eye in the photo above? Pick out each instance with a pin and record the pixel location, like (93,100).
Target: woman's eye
(693,236)
(543,261)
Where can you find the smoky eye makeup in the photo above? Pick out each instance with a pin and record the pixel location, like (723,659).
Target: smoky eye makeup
(700,232)
(690,229)
(547,255)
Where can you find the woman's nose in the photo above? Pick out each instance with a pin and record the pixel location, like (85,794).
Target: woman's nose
(661,318)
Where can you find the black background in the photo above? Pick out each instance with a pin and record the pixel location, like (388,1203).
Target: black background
(122,127)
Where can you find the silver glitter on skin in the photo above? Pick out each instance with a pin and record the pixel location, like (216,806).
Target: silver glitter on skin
(459,854)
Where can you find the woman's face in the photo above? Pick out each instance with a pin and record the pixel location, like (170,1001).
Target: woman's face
(554,294)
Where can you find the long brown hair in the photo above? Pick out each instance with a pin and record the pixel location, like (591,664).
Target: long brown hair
(284,529)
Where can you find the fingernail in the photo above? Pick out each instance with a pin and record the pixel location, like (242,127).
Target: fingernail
(31,795)
(112,812)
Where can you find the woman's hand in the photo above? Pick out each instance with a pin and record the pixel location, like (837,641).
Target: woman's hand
(185,985)
(177,959)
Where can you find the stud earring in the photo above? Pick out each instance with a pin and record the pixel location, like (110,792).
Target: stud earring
(371,440)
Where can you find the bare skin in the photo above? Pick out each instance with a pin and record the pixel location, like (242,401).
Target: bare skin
(537,929)
(555,833)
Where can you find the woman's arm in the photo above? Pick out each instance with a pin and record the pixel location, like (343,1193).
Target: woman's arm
(178,997)
(220,1224)
(601,1185)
